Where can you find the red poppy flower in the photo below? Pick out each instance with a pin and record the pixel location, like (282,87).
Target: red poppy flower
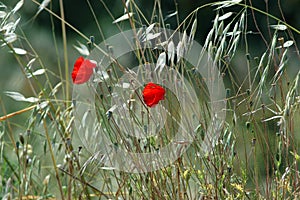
(82,71)
(152,94)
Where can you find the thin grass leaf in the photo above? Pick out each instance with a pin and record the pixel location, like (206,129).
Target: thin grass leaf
(39,72)
(29,64)
(2,14)
(125,85)
(220,50)
(210,48)
(10,38)
(271,118)
(146,35)
(7,28)
(260,65)
(288,43)
(2,5)
(221,28)
(170,15)
(42,6)
(82,49)
(235,28)
(13,28)
(161,62)
(151,36)
(17,6)
(36,73)
(282,65)
(123,17)
(227,27)
(70,124)
(192,35)
(242,21)
(180,51)
(46,180)
(111,110)
(101,76)
(84,118)
(233,33)
(126,6)
(19,51)
(279,27)
(171,51)
(225,16)
(55,89)
(289,100)
(194,28)
(185,41)
(225,4)
(215,27)
(108,168)
(150,28)
(208,38)
(234,44)
(264,75)
(20,97)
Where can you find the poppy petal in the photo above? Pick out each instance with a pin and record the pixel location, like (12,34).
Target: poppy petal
(152,94)
(82,71)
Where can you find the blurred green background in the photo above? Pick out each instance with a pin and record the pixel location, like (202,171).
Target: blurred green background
(40,34)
